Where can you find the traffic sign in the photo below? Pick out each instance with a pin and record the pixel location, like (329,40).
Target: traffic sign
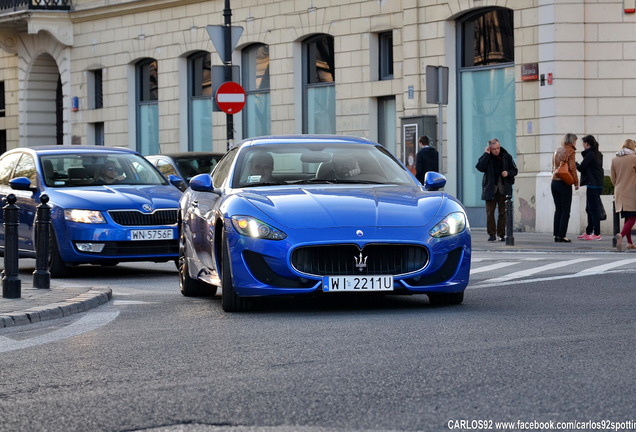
(217,36)
(230,97)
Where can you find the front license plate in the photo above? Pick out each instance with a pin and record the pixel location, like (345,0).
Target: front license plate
(152,234)
(357,283)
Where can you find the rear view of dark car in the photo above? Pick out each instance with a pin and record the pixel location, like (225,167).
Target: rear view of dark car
(185,165)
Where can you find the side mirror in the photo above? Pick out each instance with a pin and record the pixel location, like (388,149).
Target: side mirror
(177,182)
(434,181)
(22,183)
(202,183)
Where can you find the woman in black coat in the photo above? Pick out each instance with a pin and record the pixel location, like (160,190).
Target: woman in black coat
(592,175)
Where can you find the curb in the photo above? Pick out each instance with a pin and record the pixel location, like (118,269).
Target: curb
(82,303)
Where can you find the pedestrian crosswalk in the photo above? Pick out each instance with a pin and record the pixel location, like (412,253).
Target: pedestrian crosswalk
(489,269)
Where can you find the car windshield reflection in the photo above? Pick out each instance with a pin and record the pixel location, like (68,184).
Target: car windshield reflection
(103,169)
(266,165)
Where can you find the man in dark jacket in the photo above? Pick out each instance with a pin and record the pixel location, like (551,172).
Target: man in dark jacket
(499,175)
(427,159)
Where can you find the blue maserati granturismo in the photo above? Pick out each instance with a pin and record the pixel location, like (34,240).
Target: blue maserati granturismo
(322,215)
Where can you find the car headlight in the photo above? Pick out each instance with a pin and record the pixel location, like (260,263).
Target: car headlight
(252,227)
(452,224)
(84,216)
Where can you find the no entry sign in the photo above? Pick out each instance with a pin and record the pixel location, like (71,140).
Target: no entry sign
(230,97)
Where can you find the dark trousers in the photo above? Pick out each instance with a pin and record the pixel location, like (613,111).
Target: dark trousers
(593,210)
(562,195)
(498,228)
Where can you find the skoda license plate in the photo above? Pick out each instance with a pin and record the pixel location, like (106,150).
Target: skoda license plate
(152,234)
(357,283)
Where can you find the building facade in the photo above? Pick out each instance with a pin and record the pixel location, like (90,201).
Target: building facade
(142,74)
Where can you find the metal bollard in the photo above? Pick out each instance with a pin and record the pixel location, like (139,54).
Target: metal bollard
(41,275)
(11,284)
(510,238)
(616,223)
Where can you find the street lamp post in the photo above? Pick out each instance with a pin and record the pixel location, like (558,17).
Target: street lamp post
(227,61)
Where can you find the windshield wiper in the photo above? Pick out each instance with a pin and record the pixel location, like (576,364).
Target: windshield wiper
(337,181)
(262,184)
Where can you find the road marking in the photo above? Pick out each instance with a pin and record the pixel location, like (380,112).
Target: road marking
(535,270)
(495,266)
(608,266)
(89,322)
(129,302)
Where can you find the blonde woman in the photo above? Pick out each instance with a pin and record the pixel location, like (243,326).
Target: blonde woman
(562,192)
(623,175)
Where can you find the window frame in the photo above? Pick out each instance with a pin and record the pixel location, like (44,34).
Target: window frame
(312,78)
(200,93)
(147,96)
(385,55)
(256,91)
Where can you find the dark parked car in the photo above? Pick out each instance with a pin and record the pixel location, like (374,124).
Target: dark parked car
(320,215)
(185,165)
(107,205)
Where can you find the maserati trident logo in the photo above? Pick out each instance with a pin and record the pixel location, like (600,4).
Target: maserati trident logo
(147,207)
(361,262)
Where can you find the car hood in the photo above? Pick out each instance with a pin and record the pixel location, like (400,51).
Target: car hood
(115,197)
(343,206)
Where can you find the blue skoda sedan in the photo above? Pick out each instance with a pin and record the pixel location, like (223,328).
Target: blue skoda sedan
(320,215)
(108,205)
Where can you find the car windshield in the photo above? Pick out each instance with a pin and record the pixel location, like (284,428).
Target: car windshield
(329,163)
(86,169)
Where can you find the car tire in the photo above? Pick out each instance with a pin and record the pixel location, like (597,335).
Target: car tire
(230,301)
(446,299)
(190,287)
(57,266)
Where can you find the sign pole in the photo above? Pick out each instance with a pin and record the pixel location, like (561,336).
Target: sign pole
(227,14)
(440,93)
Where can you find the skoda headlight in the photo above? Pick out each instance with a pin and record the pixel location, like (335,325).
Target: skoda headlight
(252,227)
(84,216)
(452,224)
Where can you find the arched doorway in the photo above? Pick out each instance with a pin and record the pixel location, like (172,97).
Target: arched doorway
(486,83)
(43,108)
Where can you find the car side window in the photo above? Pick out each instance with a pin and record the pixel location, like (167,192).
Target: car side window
(222,169)
(166,168)
(26,168)
(7,164)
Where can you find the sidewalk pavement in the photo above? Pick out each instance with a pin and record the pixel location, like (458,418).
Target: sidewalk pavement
(540,242)
(62,299)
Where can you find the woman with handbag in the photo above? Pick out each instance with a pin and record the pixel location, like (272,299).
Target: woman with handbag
(564,176)
(592,176)
(623,175)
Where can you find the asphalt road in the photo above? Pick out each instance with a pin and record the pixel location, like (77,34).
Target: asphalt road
(552,349)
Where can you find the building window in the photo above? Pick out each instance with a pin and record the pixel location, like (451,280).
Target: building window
(147,107)
(256,114)
(2,100)
(319,92)
(98,133)
(95,92)
(387,123)
(385,50)
(3,141)
(200,102)
(488,38)
(486,89)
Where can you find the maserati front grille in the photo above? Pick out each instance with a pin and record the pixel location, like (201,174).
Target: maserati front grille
(348,259)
